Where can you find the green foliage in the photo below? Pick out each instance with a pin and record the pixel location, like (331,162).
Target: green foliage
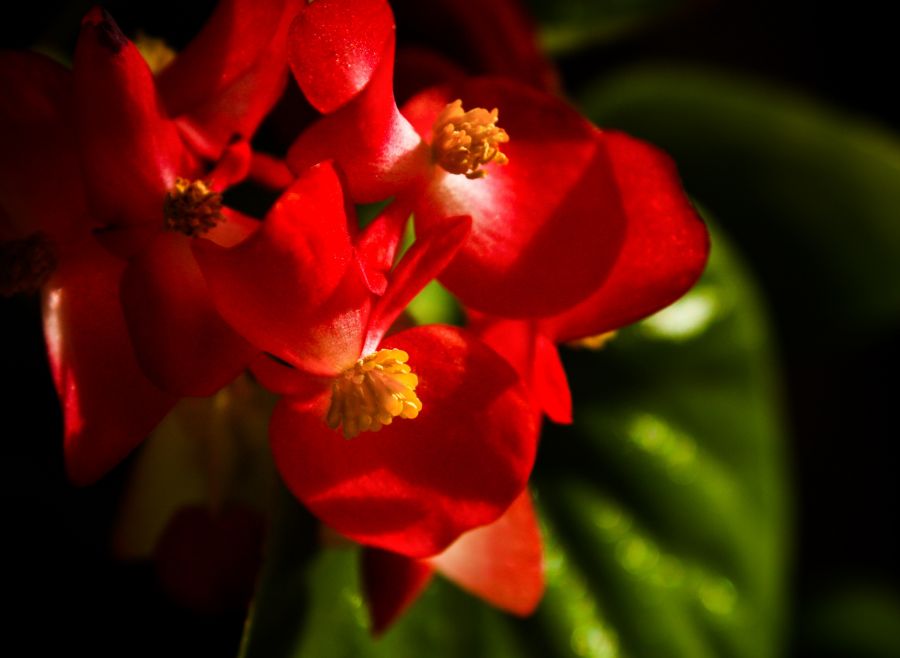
(663,511)
(811,194)
(569,25)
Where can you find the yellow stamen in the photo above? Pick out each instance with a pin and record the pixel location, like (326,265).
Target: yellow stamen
(156,52)
(192,208)
(25,264)
(597,342)
(369,395)
(465,141)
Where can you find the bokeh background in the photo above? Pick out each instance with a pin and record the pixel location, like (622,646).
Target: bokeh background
(729,487)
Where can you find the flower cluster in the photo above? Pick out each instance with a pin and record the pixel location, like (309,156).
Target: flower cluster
(402,438)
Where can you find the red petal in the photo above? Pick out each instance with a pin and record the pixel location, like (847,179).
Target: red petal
(374,146)
(131,152)
(416,485)
(549,384)
(294,288)
(336,46)
(232,167)
(377,244)
(180,340)
(535,358)
(108,404)
(502,562)
(285,380)
(546,227)
(232,73)
(40,184)
(391,583)
(665,249)
(424,260)
(270,171)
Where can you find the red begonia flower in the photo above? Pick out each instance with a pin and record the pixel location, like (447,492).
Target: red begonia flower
(108,404)
(501,563)
(665,250)
(535,247)
(229,76)
(150,194)
(465,441)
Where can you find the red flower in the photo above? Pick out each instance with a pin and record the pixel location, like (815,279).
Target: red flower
(107,122)
(501,563)
(547,224)
(151,196)
(108,404)
(663,254)
(221,86)
(451,439)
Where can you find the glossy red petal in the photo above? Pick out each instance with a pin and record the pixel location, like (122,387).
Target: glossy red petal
(549,384)
(421,263)
(374,146)
(416,485)
(181,342)
(232,166)
(131,151)
(665,250)
(108,404)
(336,46)
(231,74)
(377,245)
(391,583)
(294,288)
(546,227)
(283,379)
(270,171)
(503,562)
(535,358)
(40,183)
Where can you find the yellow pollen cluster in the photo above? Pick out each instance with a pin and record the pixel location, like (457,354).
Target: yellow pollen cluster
(465,141)
(377,389)
(192,208)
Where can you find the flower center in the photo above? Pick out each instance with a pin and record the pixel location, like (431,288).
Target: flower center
(26,264)
(465,141)
(374,391)
(192,208)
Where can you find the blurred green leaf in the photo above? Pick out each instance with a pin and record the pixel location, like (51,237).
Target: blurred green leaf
(812,195)
(569,25)
(663,510)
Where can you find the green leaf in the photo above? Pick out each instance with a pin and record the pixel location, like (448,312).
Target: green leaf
(810,193)
(662,508)
(570,25)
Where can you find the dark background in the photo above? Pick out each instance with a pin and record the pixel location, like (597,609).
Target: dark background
(65,592)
